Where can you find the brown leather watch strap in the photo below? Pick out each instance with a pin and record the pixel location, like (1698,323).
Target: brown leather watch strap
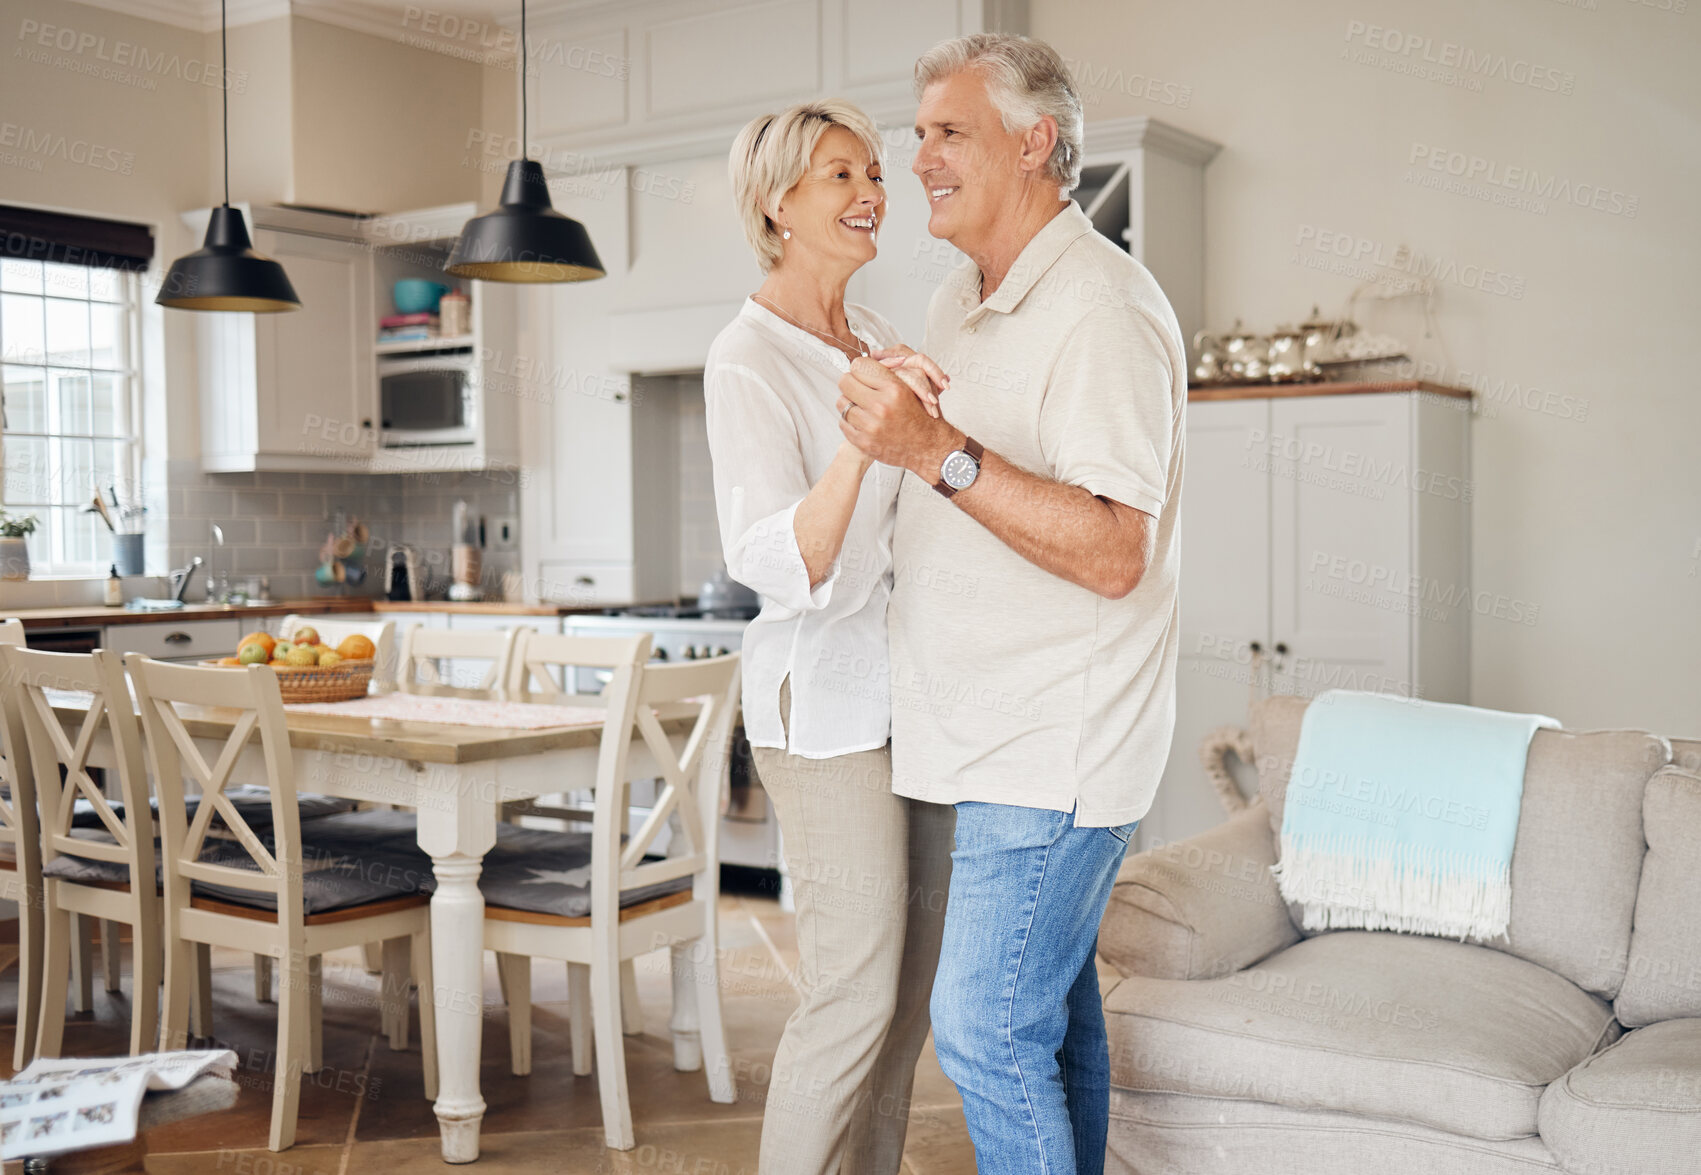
(974,449)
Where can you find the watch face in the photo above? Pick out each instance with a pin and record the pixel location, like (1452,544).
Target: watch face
(960,470)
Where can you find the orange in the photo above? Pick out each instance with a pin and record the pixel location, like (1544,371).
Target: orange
(357,648)
(263,638)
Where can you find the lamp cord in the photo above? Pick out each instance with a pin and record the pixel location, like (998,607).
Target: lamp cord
(224,90)
(525,151)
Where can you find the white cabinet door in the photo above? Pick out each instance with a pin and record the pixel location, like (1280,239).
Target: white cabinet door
(1342,542)
(316,381)
(1225,601)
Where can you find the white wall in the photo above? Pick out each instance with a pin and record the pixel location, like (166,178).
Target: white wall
(1587,487)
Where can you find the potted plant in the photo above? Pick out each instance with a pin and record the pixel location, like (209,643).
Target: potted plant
(14,546)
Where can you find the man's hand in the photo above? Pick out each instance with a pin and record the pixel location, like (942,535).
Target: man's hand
(883,414)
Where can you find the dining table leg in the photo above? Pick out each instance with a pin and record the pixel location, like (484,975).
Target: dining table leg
(457,836)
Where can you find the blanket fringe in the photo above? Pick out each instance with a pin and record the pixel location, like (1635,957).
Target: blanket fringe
(1366,883)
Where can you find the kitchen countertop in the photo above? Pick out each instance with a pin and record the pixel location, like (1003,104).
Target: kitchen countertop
(492,607)
(89,615)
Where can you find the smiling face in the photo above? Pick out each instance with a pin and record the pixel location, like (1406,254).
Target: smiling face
(834,211)
(971,168)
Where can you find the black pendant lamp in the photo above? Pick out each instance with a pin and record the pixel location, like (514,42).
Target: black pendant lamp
(525,239)
(225,273)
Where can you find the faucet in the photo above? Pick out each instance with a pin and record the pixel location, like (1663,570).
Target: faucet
(180,577)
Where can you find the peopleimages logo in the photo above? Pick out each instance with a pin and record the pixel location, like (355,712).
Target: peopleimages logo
(40,144)
(1526,181)
(1450,57)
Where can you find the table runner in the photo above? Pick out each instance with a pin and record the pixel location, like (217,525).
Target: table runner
(400,707)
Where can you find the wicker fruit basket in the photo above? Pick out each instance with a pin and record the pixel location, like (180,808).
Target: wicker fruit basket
(309,683)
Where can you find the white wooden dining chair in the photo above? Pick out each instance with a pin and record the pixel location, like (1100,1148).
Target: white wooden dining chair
(260,894)
(635,904)
(105,872)
(424,651)
(382,634)
(20,855)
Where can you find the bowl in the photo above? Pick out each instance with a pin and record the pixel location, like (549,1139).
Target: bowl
(415,295)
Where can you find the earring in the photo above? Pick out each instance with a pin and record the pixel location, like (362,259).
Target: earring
(786,234)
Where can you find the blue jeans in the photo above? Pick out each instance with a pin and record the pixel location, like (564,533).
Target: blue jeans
(1017,1022)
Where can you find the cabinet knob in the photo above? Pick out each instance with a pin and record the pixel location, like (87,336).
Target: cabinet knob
(366,424)
(1281,648)
(1256,647)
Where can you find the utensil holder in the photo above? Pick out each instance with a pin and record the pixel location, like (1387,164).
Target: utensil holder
(127,553)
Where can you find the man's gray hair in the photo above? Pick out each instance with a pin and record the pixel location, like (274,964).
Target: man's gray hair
(1026,80)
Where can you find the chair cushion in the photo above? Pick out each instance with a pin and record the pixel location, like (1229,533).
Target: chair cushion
(1578,852)
(86,869)
(1634,1107)
(536,869)
(1664,979)
(549,872)
(253,804)
(1454,1036)
(329,880)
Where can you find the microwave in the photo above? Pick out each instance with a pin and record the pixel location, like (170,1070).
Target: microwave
(428,400)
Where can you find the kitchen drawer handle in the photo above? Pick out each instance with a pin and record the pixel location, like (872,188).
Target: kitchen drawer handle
(585,580)
(177,638)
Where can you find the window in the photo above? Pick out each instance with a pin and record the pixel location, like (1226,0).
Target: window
(68,404)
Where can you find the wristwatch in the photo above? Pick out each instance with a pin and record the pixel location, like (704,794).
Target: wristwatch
(960,468)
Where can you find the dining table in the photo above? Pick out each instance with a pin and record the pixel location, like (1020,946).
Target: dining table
(456,777)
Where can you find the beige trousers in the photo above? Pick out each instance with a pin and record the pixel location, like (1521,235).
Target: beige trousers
(870,872)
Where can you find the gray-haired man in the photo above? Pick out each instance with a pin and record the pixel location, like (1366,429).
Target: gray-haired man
(1041,707)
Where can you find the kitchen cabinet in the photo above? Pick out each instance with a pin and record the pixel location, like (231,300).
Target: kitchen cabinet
(1325,544)
(417,245)
(298,391)
(186,641)
(295,390)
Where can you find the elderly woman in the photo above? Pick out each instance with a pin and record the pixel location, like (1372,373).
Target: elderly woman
(806,520)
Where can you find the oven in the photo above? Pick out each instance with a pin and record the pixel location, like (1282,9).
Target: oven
(428,399)
(749,834)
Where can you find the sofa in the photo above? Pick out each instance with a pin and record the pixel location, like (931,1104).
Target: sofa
(1241,1043)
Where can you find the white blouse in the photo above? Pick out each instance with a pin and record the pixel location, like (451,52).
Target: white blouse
(769,388)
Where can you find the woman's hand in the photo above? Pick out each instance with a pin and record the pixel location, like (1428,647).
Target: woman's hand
(922,375)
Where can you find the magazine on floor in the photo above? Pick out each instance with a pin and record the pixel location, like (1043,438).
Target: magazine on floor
(74,1103)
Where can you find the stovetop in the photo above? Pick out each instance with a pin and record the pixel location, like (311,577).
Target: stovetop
(682,612)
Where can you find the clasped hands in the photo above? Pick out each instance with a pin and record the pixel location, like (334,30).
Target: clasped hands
(889,409)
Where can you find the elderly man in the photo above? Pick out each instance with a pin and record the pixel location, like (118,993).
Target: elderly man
(1033,614)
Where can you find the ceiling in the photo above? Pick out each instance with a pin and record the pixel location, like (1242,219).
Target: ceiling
(372,16)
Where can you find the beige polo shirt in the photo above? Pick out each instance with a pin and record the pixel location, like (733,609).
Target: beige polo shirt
(1009,684)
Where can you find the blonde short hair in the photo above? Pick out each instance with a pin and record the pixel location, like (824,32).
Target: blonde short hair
(771,154)
(1026,79)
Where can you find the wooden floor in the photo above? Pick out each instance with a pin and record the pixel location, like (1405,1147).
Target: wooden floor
(365,1113)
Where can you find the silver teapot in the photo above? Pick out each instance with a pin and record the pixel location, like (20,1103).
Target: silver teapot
(1245,356)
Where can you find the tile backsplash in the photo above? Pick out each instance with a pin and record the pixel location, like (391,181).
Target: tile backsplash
(274,524)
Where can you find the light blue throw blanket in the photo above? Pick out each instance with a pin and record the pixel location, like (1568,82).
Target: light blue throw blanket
(1401,814)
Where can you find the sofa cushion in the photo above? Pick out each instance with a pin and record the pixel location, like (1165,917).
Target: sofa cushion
(1664,977)
(1578,852)
(1181,1134)
(1198,908)
(1458,1037)
(1686,753)
(1636,1107)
